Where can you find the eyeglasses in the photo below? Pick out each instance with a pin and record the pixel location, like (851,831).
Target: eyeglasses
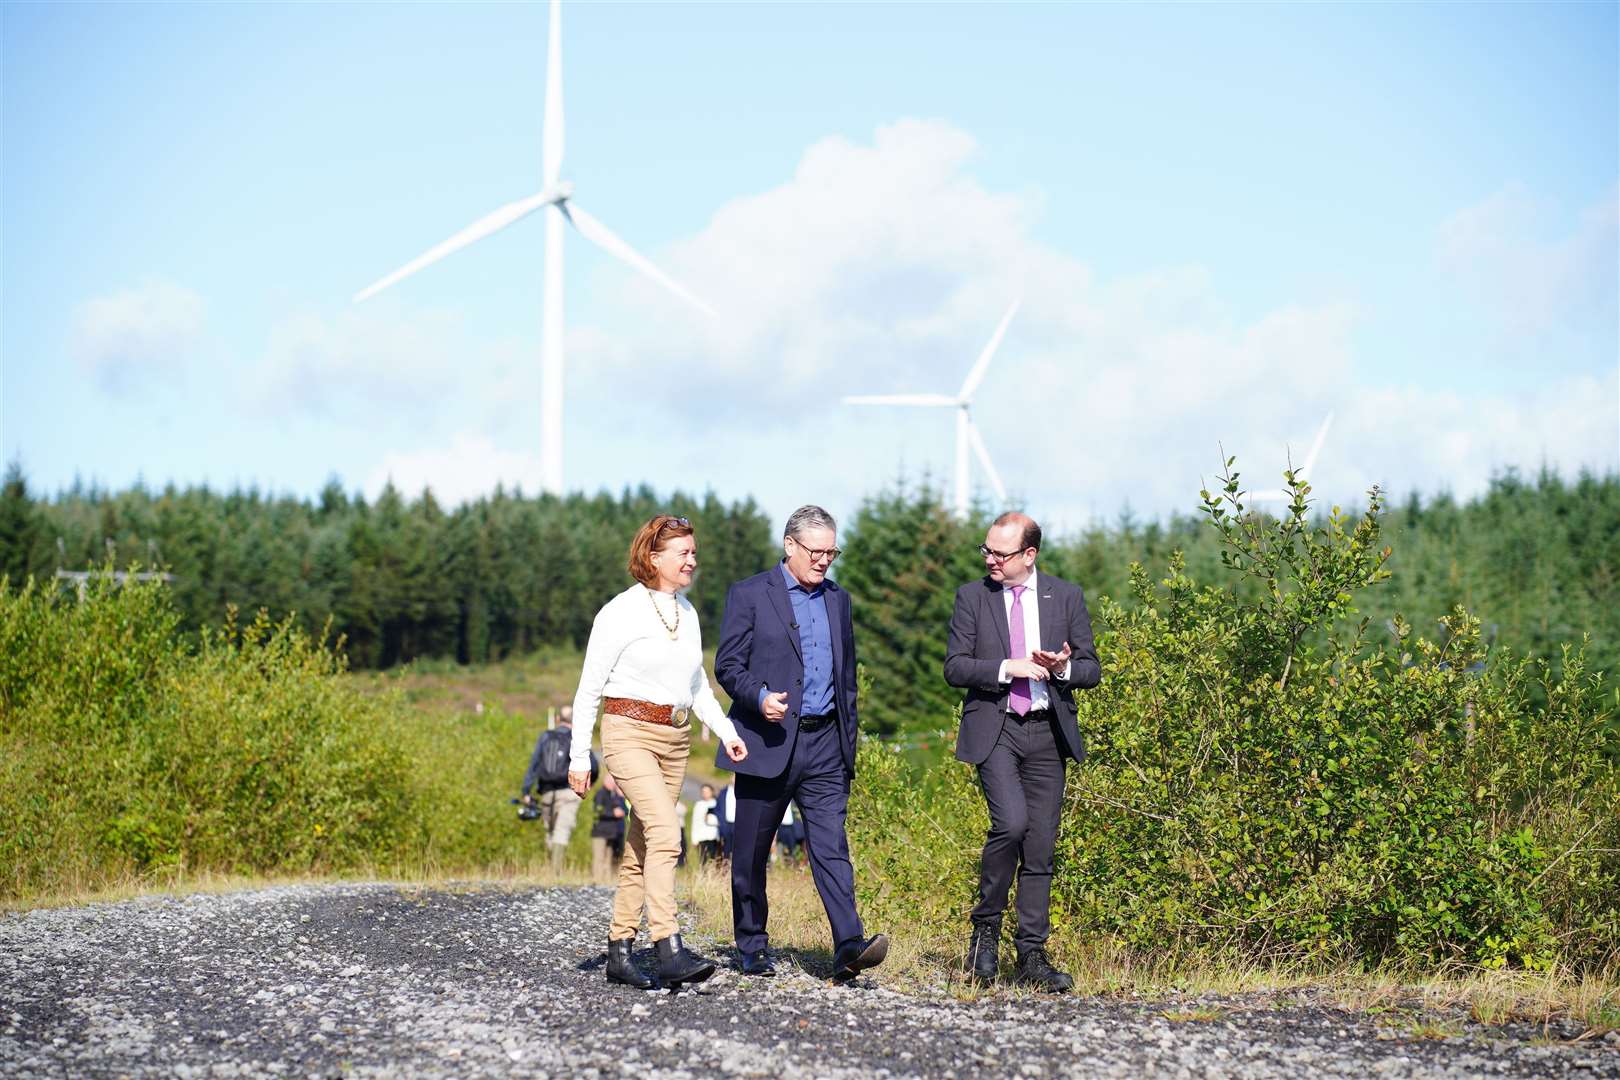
(674,523)
(817,554)
(1000,556)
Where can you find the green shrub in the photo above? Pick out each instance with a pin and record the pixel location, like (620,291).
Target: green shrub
(1265,781)
(126,750)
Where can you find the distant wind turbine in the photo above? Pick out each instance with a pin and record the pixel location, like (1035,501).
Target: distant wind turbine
(556,198)
(966,433)
(1301,473)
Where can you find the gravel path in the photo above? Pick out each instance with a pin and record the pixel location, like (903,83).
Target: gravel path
(384,980)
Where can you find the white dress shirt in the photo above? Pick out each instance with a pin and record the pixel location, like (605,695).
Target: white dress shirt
(631,655)
(1030,605)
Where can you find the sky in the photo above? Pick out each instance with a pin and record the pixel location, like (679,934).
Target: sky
(1223,222)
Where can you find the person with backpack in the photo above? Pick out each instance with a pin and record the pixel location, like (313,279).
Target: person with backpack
(547,776)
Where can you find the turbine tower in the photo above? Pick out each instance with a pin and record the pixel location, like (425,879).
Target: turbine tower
(555,197)
(966,433)
(1301,473)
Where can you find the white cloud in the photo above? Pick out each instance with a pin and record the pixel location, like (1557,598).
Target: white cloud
(884,267)
(1502,251)
(137,336)
(470,466)
(422,367)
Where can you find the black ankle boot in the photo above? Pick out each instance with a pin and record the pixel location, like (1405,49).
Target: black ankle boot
(621,970)
(982,960)
(676,965)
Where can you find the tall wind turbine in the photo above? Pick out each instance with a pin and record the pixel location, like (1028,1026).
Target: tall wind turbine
(556,198)
(966,433)
(1301,473)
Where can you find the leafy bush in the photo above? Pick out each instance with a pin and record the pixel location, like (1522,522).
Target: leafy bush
(123,748)
(1265,781)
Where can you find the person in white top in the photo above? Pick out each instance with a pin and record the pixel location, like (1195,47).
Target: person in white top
(705,830)
(644,670)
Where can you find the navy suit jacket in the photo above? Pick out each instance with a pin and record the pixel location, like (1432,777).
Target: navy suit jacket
(978,643)
(759,647)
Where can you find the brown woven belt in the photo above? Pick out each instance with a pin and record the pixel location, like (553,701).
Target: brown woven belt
(647,711)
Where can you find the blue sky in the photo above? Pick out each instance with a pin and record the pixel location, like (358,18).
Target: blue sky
(1224,221)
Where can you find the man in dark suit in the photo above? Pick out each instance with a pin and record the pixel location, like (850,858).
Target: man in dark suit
(1020,642)
(787,658)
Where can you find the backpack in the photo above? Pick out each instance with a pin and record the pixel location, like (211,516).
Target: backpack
(554,751)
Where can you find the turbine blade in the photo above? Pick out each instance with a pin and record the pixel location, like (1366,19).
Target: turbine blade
(982,364)
(984,458)
(1316,446)
(551,144)
(600,235)
(902,399)
(479,229)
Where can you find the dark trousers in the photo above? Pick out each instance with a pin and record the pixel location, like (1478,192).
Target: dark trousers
(1022,781)
(817,781)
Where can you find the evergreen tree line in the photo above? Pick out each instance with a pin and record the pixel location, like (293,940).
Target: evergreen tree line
(1536,559)
(398,578)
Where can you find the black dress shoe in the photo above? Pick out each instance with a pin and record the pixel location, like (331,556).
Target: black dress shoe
(621,970)
(676,965)
(758,963)
(1034,969)
(857,956)
(982,960)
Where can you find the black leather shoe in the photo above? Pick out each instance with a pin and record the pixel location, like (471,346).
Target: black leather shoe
(857,956)
(621,970)
(1034,969)
(982,959)
(676,965)
(758,963)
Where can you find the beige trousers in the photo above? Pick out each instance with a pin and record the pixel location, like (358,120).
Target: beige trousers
(649,763)
(559,809)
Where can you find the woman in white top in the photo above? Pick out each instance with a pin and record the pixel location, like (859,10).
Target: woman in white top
(644,668)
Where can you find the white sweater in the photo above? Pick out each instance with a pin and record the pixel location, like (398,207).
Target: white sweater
(630,655)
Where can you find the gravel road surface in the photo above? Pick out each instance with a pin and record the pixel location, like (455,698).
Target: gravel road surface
(387,980)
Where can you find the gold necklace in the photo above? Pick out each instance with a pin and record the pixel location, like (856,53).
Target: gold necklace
(673,630)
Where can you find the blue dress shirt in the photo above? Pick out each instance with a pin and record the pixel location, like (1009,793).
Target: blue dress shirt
(815,642)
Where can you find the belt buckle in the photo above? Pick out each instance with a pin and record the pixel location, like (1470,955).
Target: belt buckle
(680,717)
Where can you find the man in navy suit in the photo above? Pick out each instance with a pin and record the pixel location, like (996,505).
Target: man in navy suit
(787,658)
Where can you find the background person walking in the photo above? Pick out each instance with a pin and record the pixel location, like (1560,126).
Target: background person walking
(547,776)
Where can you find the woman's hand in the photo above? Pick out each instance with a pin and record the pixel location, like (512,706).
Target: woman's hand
(579,781)
(735,750)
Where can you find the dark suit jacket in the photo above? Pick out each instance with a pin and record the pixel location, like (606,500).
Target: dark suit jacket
(979,643)
(759,647)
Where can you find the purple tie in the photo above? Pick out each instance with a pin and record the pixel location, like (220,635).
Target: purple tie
(1018,694)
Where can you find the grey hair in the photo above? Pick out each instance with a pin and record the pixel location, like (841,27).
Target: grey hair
(809,516)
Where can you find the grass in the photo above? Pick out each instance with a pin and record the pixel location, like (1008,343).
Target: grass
(531,687)
(476,725)
(928,959)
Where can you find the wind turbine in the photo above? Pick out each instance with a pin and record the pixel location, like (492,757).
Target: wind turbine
(966,433)
(556,198)
(1301,473)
